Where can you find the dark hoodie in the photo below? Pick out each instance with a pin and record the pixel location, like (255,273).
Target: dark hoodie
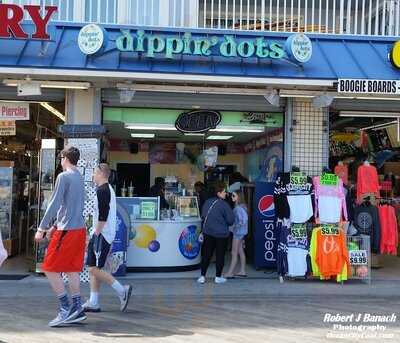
(220,217)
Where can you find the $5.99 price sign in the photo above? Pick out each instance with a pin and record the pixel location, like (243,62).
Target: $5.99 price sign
(327,230)
(358,257)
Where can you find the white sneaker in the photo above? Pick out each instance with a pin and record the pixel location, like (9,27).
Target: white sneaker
(220,280)
(201,279)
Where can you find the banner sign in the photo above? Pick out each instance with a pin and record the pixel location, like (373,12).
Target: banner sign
(14,110)
(366,86)
(265,235)
(7,128)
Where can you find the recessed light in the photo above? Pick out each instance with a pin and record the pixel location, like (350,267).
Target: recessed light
(221,138)
(142,135)
(153,127)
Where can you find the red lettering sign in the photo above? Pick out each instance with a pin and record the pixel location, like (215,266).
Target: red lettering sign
(12,15)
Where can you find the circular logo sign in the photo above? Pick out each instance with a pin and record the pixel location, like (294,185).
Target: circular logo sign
(90,39)
(188,243)
(299,47)
(395,55)
(266,206)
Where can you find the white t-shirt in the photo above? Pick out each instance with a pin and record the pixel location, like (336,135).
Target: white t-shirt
(301,208)
(329,209)
(297,262)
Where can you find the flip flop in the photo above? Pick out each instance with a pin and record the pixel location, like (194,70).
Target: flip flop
(241,275)
(229,277)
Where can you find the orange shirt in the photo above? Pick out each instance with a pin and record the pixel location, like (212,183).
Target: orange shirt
(367,181)
(332,254)
(343,172)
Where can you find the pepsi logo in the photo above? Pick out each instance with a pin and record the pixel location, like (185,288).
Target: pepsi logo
(266,206)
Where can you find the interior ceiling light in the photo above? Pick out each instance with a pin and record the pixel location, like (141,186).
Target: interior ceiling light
(219,138)
(143,135)
(227,128)
(194,134)
(153,127)
(369,114)
(322,101)
(272,97)
(53,110)
(49,84)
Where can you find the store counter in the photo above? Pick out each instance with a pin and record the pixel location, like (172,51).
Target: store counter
(158,245)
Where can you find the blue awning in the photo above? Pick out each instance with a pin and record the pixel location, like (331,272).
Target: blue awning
(333,57)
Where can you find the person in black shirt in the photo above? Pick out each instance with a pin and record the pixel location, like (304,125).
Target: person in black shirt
(201,193)
(158,190)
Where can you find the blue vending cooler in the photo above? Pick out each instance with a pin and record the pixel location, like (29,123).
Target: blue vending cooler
(265,235)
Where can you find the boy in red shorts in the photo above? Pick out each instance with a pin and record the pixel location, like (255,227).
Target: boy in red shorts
(65,253)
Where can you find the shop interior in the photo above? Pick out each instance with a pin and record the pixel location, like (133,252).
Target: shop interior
(22,192)
(369,137)
(143,144)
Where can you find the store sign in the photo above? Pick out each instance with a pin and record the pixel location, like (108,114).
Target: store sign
(265,235)
(7,128)
(14,111)
(197,121)
(91,39)
(11,17)
(297,48)
(366,86)
(358,257)
(395,55)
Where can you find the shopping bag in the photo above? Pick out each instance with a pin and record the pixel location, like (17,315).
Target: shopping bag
(3,251)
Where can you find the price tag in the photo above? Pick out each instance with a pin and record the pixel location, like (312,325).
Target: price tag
(328,230)
(328,179)
(358,257)
(299,231)
(298,178)
(148,210)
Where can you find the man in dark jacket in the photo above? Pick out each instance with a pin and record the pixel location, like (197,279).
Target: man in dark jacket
(217,216)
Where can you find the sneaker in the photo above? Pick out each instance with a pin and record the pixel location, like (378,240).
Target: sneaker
(60,319)
(201,280)
(75,315)
(88,307)
(125,299)
(220,280)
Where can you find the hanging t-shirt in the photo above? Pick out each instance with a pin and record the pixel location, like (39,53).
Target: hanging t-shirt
(366,221)
(367,181)
(282,250)
(343,172)
(332,253)
(389,231)
(293,200)
(330,201)
(297,251)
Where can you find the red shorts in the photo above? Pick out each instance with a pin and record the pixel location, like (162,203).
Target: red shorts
(66,252)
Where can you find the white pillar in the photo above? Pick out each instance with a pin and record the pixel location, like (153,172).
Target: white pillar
(83,106)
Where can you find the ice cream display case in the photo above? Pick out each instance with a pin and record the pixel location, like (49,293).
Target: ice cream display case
(164,240)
